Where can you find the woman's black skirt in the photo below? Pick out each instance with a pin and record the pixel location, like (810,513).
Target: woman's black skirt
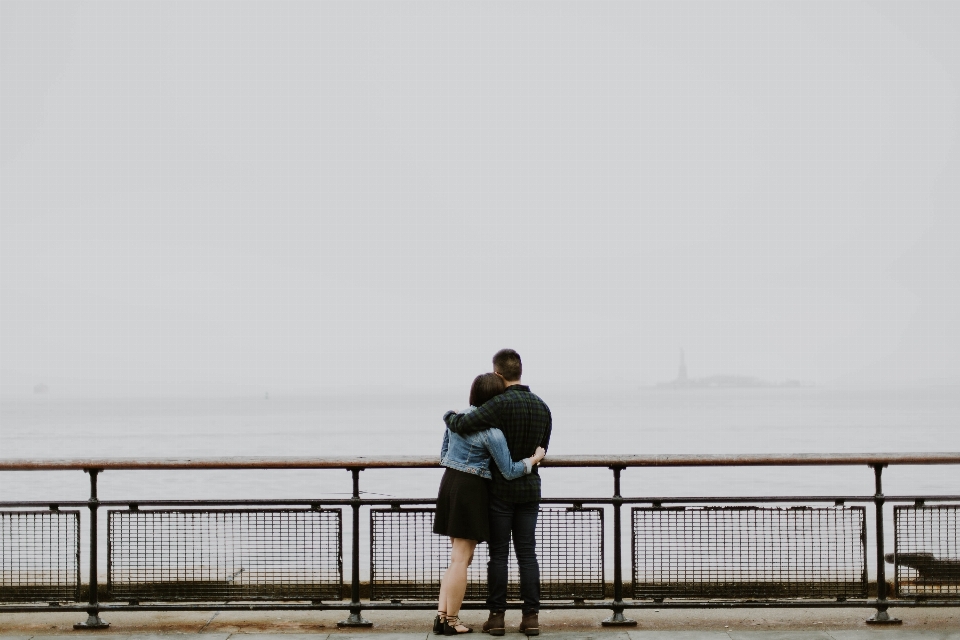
(462,506)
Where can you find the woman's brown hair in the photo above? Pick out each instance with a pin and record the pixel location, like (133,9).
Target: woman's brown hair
(485,386)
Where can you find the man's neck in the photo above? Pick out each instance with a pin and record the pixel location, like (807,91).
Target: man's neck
(508,383)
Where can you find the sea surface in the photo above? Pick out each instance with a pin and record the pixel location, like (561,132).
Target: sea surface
(801,420)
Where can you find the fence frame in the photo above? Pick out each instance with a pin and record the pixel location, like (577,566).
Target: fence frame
(744,589)
(549,589)
(617,463)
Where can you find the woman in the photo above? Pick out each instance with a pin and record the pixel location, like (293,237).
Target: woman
(462,501)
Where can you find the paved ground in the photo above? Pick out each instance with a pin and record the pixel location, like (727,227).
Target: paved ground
(742,624)
(839,634)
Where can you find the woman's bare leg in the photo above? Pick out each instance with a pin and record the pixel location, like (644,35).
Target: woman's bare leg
(453,586)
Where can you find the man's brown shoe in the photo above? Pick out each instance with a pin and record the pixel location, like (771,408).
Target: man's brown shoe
(495,625)
(530,624)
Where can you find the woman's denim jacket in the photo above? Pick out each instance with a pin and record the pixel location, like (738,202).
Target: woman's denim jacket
(472,453)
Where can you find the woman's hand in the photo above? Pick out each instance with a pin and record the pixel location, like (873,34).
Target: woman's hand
(538,455)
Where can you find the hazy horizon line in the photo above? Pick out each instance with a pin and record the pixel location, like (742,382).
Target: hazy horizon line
(373,392)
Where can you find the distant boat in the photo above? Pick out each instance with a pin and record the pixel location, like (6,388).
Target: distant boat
(40,388)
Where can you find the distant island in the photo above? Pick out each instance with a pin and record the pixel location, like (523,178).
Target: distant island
(723,381)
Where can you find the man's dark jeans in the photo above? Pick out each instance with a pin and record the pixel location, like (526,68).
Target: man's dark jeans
(520,519)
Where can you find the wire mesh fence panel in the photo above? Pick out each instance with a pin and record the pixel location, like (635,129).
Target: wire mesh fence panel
(927,551)
(570,550)
(230,554)
(407,559)
(39,556)
(749,552)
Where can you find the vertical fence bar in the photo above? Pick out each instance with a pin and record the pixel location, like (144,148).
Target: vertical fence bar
(617,619)
(93,610)
(881,616)
(355,619)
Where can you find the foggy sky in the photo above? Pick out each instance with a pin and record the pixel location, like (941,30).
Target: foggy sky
(235,197)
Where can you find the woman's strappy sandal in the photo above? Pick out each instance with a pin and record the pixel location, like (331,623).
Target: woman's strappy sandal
(438,623)
(450,626)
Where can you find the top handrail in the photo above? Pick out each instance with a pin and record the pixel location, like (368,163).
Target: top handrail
(426,462)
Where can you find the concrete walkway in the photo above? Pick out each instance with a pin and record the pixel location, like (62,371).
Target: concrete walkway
(741,624)
(826,634)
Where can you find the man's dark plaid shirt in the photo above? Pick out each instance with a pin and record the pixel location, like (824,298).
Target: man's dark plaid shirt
(526,423)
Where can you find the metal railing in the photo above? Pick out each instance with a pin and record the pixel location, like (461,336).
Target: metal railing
(287,554)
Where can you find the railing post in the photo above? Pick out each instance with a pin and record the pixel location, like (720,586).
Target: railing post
(355,619)
(617,619)
(93,611)
(881,616)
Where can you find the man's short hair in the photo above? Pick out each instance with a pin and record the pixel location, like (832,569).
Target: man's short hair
(507,363)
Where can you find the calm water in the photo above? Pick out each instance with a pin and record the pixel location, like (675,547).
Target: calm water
(640,421)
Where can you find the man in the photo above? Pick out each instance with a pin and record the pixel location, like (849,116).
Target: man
(514,504)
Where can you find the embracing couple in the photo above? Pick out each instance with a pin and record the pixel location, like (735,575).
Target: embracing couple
(479,501)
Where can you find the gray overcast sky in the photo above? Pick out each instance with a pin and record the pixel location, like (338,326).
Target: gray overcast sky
(231,197)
